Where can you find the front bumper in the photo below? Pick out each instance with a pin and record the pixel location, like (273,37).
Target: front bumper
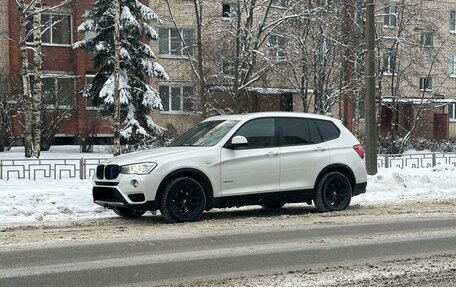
(110,197)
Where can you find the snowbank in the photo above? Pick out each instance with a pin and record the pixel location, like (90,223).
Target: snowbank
(50,200)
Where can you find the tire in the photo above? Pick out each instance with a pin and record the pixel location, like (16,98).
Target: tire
(333,192)
(128,213)
(183,200)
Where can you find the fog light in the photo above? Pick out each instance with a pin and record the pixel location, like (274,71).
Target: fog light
(135,183)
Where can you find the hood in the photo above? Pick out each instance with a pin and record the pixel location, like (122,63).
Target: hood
(153,155)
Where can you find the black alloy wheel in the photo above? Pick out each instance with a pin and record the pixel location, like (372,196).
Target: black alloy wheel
(183,200)
(333,193)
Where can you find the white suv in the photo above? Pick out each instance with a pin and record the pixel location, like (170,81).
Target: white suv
(266,159)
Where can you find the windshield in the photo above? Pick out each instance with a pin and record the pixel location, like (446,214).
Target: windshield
(205,133)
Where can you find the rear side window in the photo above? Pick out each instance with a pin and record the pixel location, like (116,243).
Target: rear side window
(260,133)
(327,129)
(298,131)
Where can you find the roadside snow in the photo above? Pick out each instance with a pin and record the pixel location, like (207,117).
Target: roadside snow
(70,199)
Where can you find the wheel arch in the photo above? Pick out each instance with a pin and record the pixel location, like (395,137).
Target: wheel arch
(342,168)
(192,173)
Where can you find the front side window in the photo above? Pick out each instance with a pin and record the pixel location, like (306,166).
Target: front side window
(55,29)
(299,132)
(390,16)
(453,21)
(58,91)
(452,65)
(260,133)
(426,84)
(176,98)
(277,47)
(175,42)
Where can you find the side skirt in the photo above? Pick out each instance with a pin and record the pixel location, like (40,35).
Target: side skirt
(293,196)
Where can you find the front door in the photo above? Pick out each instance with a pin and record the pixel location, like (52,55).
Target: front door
(253,168)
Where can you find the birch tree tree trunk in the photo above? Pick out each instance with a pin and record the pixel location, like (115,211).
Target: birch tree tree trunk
(37,62)
(116,125)
(25,87)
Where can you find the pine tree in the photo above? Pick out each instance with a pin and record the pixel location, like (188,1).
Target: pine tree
(137,63)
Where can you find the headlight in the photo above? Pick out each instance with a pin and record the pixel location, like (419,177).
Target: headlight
(138,168)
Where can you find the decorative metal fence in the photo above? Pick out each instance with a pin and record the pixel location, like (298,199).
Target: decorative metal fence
(33,169)
(422,160)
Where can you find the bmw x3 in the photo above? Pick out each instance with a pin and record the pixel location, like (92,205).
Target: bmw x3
(267,159)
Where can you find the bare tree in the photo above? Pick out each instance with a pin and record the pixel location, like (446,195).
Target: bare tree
(6,137)
(31,26)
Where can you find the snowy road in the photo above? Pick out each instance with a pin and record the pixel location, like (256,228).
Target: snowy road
(155,262)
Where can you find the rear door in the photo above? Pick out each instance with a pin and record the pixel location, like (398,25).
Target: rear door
(303,154)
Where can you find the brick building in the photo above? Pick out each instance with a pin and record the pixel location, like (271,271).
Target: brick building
(66,70)
(4,61)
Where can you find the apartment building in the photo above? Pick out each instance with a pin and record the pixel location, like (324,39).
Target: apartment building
(417,79)
(416,63)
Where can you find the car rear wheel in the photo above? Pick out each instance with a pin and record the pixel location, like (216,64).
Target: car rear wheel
(183,200)
(128,213)
(333,192)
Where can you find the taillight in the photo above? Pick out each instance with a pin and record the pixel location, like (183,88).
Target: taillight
(359,150)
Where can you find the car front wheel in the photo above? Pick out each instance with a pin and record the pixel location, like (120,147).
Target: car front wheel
(333,192)
(183,200)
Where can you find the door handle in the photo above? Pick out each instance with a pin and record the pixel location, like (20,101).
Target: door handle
(272,154)
(320,149)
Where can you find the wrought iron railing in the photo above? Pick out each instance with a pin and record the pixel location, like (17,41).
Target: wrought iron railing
(33,169)
(421,160)
(84,168)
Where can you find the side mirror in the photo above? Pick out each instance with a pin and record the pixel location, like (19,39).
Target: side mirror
(239,141)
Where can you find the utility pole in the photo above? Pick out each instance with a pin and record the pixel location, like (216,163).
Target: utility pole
(116,125)
(371,113)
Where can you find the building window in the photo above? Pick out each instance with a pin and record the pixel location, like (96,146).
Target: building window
(58,90)
(390,16)
(426,84)
(452,65)
(55,29)
(170,42)
(226,11)
(427,39)
(453,21)
(176,98)
(452,111)
(389,62)
(277,46)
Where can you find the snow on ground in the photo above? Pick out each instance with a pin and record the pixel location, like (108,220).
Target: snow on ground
(70,199)
(60,152)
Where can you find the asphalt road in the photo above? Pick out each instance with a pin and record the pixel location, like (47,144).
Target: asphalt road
(158,262)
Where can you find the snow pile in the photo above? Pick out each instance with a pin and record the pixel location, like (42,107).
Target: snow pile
(48,200)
